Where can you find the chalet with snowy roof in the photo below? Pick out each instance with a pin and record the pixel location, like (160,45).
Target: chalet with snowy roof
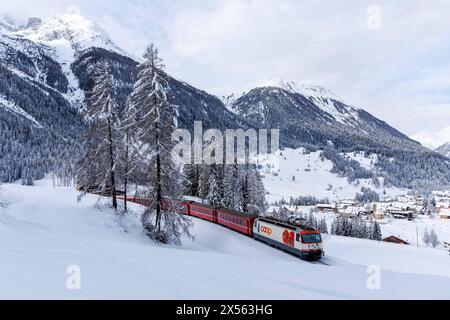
(324,207)
(394,239)
(405,214)
(442,205)
(444,214)
(352,211)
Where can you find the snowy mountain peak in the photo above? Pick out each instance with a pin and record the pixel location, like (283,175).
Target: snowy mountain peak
(33,23)
(323,98)
(6,25)
(303,88)
(68,29)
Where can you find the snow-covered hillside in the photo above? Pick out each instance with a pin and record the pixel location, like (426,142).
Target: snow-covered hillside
(298,173)
(444,149)
(46,230)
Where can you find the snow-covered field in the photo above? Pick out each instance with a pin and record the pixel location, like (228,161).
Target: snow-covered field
(313,177)
(46,230)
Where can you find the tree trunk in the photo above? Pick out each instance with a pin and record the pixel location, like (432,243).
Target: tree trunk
(158,170)
(113,176)
(125,201)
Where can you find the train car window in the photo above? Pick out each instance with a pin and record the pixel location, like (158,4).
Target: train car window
(298,238)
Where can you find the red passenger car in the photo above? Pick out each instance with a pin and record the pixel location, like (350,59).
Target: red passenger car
(141,201)
(175,205)
(203,211)
(237,221)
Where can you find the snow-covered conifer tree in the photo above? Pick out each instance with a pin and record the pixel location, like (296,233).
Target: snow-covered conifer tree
(312,221)
(192,174)
(155,119)
(376,232)
(2,204)
(323,226)
(252,189)
(214,195)
(232,187)
(97,167)
(434,240)
(426,238)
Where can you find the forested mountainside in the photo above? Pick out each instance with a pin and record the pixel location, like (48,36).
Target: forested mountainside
(313,117)
(39,126)
(46,66)
(41,95)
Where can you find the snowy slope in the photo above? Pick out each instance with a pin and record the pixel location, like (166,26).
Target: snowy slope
(45,230)
(444,149)
(313,177)
(13,108)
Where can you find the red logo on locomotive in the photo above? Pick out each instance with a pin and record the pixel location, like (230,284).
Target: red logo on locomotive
(289,238)
(266,230)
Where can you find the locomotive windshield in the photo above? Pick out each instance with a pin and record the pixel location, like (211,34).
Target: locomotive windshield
(312,238)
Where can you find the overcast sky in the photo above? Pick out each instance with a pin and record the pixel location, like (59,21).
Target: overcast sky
(392,59)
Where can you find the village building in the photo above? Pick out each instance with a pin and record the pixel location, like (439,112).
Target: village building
(394,239)
(444,214)
(352,211)
(348,203)
(446,244)
(442,205)
(405,214)
(324,207)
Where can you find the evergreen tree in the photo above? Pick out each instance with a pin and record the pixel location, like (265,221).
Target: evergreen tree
(323,226)
(2,204)
(429,206)
(312,221)
(97,166)
(192,173)
(426,238)
(214,195)
(434,241)
(232,187)
(334,227)
(376,232)
(154,122)
(256,194)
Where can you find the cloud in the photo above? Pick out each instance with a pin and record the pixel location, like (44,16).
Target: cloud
(397,72)
(433,139)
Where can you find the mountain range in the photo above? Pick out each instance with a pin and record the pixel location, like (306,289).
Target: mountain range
(46,66)
(444,149)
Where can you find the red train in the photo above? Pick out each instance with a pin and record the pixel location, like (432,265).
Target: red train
(299,240)
(237,221)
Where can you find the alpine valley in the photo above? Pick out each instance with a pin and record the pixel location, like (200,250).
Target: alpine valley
(47,66)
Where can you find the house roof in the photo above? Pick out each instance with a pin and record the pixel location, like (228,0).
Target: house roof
(395,238)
